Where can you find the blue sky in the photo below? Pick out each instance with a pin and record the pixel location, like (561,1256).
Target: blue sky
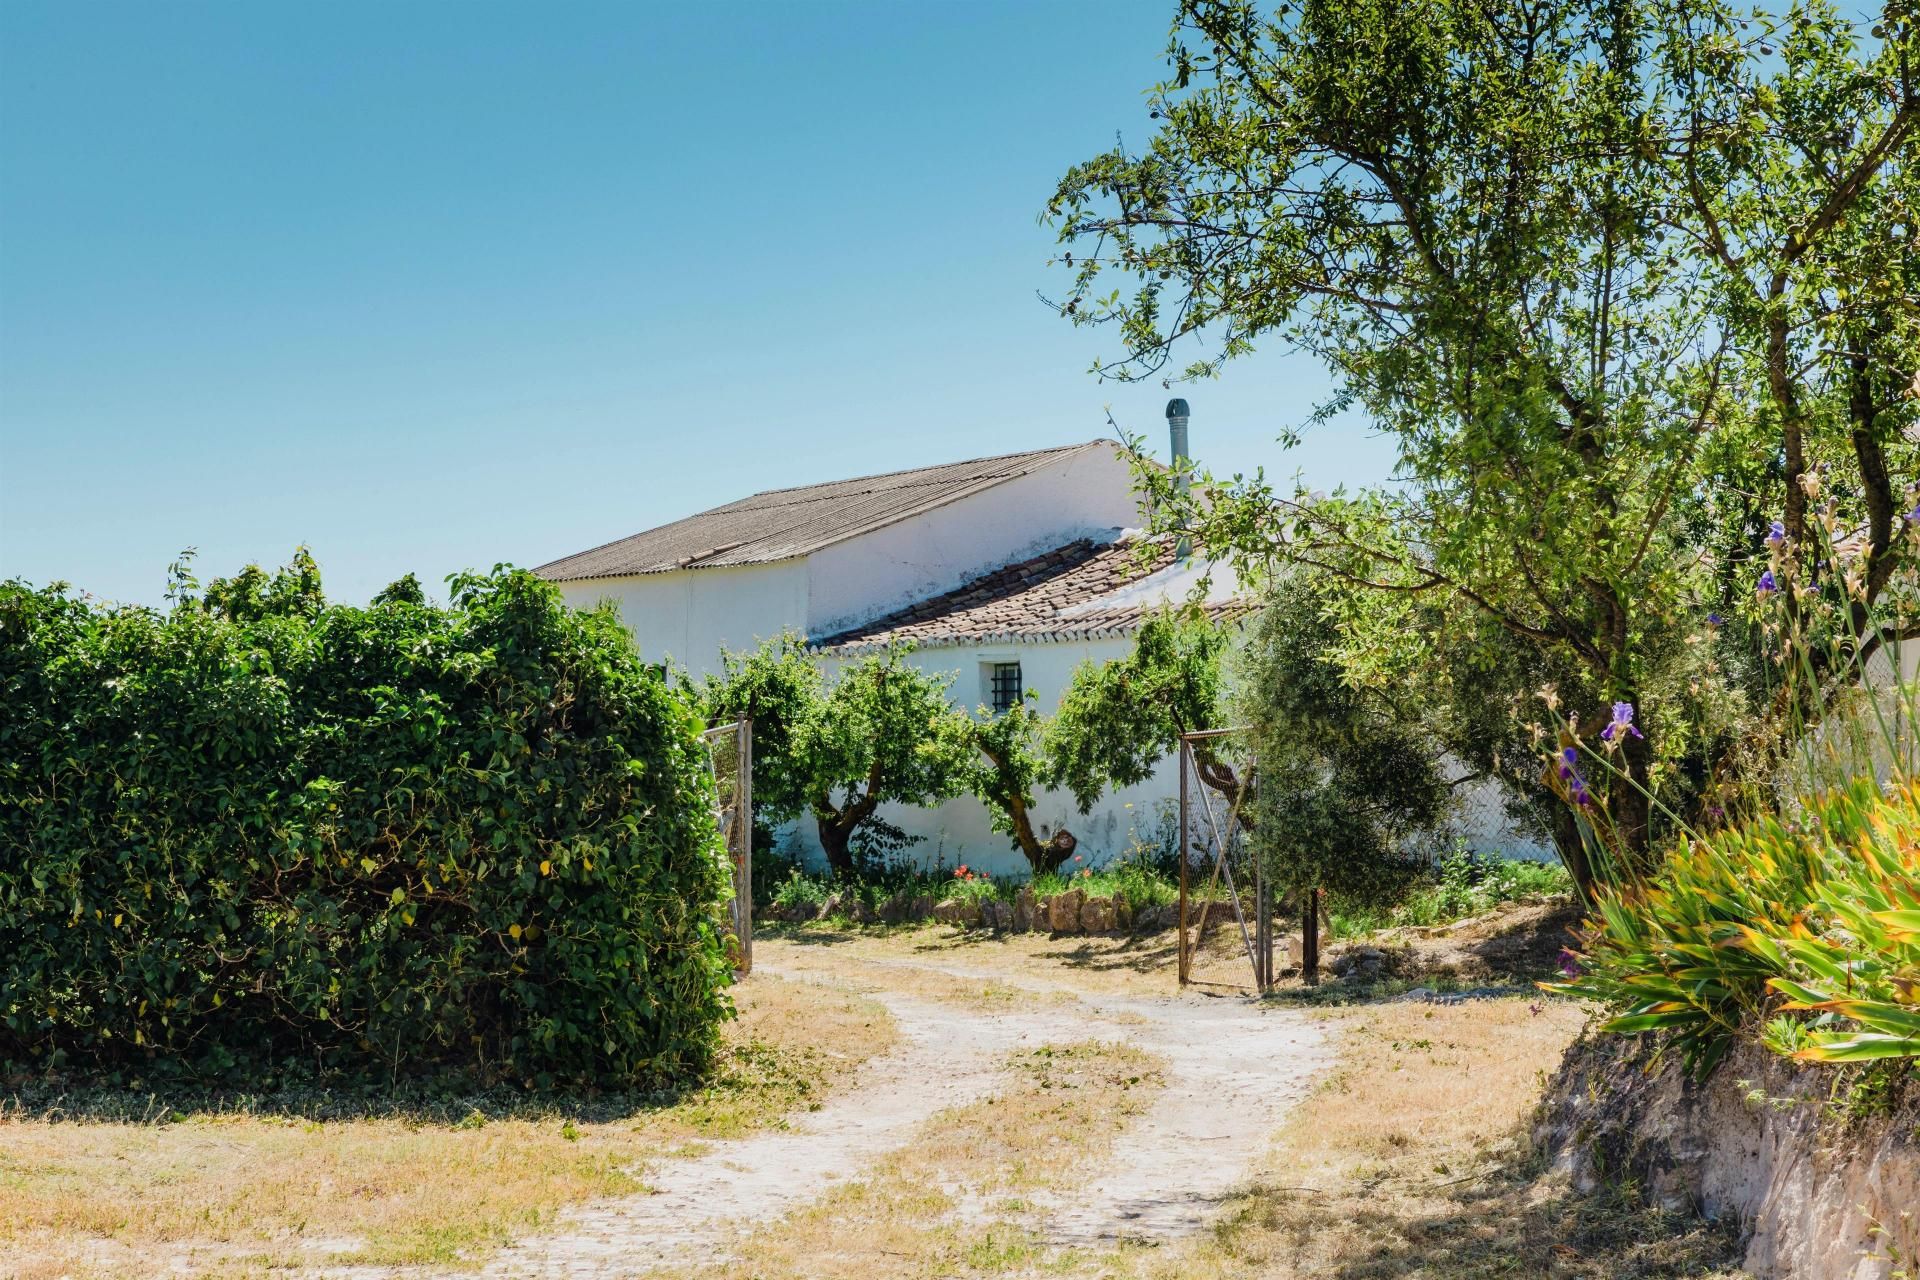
(438,285)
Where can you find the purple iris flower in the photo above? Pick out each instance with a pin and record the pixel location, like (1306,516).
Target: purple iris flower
(1569,963)
(1913,516)
(1767,586)
(1622,719)
(1715,620)
(1568,758)
(1776,534)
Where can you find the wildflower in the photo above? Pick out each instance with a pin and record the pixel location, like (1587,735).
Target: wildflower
(1086,872)
(1776,534)
(1810,483)
(1569,963)
(960,872)
(1550,695)
(1913,516)
(1766,586)
(1622,720)
(1715,620)
(1568,758)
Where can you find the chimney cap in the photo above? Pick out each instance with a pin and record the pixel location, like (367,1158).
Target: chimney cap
(1177,408)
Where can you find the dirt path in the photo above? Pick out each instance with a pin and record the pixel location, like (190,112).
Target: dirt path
(1233,1070)
(952,1057)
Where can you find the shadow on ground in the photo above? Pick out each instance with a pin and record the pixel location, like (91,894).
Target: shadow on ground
(1518,1224)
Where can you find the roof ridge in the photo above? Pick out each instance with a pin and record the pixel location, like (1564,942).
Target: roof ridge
(931,466)
(784,524)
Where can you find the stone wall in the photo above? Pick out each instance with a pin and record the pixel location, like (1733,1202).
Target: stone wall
(1072,912)
(1761,1140)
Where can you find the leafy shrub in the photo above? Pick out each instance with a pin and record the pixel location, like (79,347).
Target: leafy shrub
(1822,909)
(1464,885)
(261,836)
(797,889)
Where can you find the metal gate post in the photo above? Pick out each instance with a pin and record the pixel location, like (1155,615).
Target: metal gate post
(743,876)
(1186,762)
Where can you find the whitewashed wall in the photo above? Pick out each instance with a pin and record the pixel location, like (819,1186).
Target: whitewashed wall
(1083,495)
(689,616)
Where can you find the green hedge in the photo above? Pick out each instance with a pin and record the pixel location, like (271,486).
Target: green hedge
(259,838)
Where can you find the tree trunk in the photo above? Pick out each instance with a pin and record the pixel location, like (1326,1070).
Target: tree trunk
(1632,811)
(836,831)
(1042,855)
(833,842)
(1220,776)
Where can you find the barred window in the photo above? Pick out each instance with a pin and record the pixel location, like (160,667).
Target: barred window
(1006,685)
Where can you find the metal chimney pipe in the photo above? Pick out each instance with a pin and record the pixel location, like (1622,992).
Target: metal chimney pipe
(1177,430)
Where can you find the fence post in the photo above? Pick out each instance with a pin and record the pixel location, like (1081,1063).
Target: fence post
(744,799)
(1186,760)
(1310,940)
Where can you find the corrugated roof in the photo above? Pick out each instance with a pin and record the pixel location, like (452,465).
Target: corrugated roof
(1083,590)
(783,523)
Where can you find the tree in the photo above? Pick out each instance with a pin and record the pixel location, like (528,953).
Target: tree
(1119,719)
(1010,763)
(881,732)
(1619,280)
(884,734)
(779,688)
(1347,773)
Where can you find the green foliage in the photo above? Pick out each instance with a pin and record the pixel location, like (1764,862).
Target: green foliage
(1009,763)
(1463,887)
(1118,719)
(797,889)
(881,732)
(260,836)
(1614,289)
(1822,909)
(1347,773)
(779,686)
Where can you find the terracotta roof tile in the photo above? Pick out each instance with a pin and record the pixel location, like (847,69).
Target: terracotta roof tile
(1028,601)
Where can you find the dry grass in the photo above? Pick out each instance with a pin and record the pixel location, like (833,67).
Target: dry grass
(1411,1161)
(239,1192)
(952,1201)
(1066,966)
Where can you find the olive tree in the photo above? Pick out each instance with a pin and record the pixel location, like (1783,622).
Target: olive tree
(1348,773)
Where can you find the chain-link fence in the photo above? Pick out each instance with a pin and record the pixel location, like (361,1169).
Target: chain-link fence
(730,755)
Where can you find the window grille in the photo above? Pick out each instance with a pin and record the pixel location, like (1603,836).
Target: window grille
(1006,685)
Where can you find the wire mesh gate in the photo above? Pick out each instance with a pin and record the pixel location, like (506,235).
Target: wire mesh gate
(1213,826)
(730,758)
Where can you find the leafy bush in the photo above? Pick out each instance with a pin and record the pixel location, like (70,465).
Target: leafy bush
(1462,886)
(1809,926)
(261,836)
(797,889)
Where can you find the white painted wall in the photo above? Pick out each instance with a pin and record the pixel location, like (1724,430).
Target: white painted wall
(689,615)
(1088,494)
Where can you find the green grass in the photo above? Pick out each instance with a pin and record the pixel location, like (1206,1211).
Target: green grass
(1462,888)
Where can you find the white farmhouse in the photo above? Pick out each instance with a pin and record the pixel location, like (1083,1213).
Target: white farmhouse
(1004,572)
